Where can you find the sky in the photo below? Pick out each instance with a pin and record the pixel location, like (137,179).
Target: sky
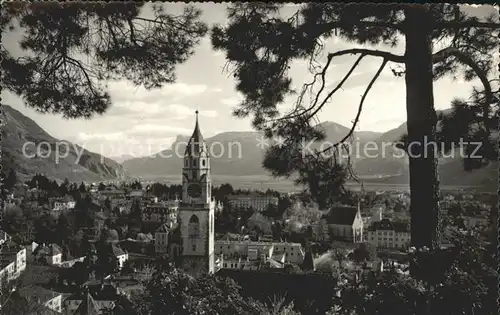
(142,122)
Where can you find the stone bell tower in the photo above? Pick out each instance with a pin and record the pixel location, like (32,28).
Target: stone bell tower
(197,209)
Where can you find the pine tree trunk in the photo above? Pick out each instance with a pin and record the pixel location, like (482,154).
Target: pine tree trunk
(421,117)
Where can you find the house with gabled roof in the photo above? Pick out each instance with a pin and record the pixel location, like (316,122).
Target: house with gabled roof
(4,237)
(345,223)
(51,253)
(120,254)
(87,306)
(94,296)
(161,238)
(38,294)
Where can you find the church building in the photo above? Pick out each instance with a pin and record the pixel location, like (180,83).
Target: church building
(197,208)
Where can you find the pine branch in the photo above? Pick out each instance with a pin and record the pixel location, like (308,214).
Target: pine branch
(335,89)
(322,74)
(401,26)
(363,52)
(467,60)
(370,52)
(360,107)
(465,24)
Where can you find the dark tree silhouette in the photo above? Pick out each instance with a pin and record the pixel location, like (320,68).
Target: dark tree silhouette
(101,187)
(106,263)
(64,187)
(107,203)
(53,77)
(63,230)
(136,185)
(261,45)
(10,180)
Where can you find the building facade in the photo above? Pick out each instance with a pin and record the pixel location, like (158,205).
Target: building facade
(249,251)
(256,202)
(161,239)
(161,212)
(12,263)
(387,234)
(197,208)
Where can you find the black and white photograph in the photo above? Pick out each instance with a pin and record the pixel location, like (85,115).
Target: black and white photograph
(253,158)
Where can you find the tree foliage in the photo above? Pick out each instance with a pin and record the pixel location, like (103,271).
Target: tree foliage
(172,291)
(464,283)
(261,44)
(71,50)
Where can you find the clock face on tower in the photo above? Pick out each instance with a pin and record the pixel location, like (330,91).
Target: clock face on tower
(194,190)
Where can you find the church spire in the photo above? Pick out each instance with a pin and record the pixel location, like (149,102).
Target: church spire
(195,144)
(196,126)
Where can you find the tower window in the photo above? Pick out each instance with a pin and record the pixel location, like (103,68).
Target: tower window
(202,162)
(194,162)
(193,247)
(194,226)
(186,163)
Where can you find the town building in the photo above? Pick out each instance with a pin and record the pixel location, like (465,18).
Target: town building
(387,234)
(51,254)
(7,271)
(87,306)
(104,297)
(12,262)
(377,211)
(238,253)
(197,207)
(257,202)
(120,254)
(135,195)
(41,296)
(112,193)
(345,223)
(161,239)
(4,237)
(62,203)
(161,212)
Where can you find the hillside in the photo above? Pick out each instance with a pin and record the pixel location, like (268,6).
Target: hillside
(19,129)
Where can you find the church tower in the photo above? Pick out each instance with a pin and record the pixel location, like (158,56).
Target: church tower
(197,209)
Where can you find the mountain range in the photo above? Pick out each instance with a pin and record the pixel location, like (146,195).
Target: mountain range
(387,165)
(19,130)
(233,154)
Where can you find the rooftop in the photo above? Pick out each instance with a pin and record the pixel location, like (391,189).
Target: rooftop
(42,295)
(387,225)
(342,215)
(108,292)
(248,242)
(5,262)
(88,306)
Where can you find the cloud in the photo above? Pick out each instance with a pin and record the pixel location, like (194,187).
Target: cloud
(123,91)
(181,112)
(145,129)
(82,136)
(157,110)
(232,101)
